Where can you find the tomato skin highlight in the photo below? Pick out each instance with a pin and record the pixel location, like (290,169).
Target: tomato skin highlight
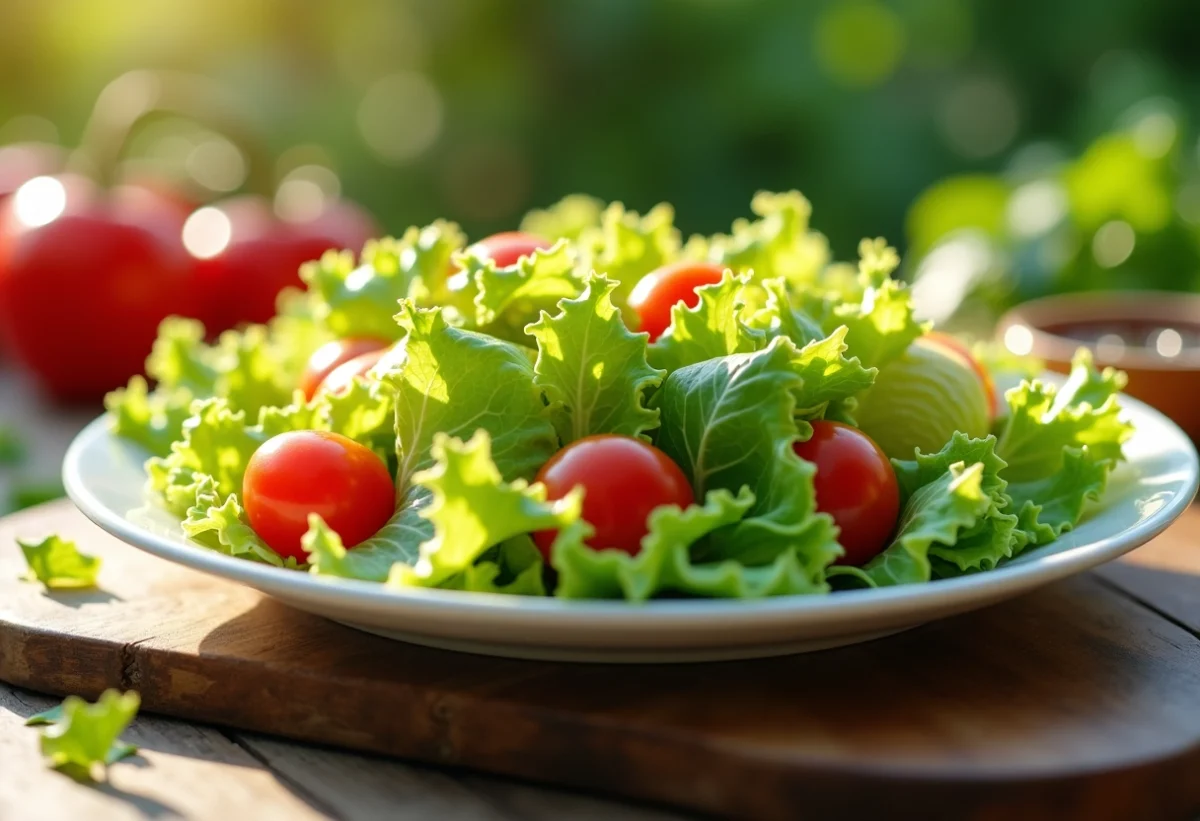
(951,343)
(340,378)
(331,356)
(624,479)
(661,289)
(301,472)
(507,247)
(856,485)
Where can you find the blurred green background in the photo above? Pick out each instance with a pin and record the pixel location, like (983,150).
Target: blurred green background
(480,109)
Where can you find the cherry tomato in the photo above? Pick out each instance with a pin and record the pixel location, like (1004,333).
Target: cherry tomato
(84,284)
(951,343)
(340,378)
(855,485)
(331,356)
(21,162)
(306,471)
(624,479)
(509,246)
(246,255)
(660,290)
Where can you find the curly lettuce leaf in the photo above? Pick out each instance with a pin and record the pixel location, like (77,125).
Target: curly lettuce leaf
(1049,506)
(513,567)
(472,508)
(569,218)
(507,299)
(714,327)
(357,300)
(778,317)
(936,514)
(57,563)
(80,738)
(730,423)
(777,244)
(456,382)
(991,538)
(666,562)
(222,525)
(151,419)
(592,369)
(828,378)
(626,246)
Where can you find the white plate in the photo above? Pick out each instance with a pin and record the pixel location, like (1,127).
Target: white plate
(103,476)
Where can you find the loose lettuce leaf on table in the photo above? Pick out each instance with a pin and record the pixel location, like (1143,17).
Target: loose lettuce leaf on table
(57,563)
(82,738)
(592,369)
(730,423)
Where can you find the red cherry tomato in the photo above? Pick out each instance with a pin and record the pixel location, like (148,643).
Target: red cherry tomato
(306,471)
(951,343)
(333,355)
(340,378)
(855,485)
(21,162)
(246,256)
(506,248)
(624,479)
(83,285)
(660,290)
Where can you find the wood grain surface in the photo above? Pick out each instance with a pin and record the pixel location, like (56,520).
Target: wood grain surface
(1078,701)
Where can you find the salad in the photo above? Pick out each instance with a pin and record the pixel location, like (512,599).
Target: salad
(593,407)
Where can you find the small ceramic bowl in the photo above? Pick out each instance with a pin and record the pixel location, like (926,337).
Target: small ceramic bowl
(1152,336)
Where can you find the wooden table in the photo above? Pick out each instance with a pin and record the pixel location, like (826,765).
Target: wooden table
(196,771)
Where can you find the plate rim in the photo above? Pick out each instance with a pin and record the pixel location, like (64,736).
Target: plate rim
(879,602)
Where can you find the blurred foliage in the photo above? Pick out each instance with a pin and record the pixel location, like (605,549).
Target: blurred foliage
(1122,214)
(479,109)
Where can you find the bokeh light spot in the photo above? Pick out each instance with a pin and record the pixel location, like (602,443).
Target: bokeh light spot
(207,232)
(1168,343)
(217,165)
(40,201)
(859,43)
(1036,207)
(979,117)
(1019,340)
(1113,243)
(400,116)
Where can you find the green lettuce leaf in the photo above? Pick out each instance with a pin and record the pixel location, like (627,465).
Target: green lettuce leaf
(151,419)
(829,379)
(507,299)
(222,525)
(359,300)
(779,317)
(456,382)
(513,567)
(714,327)
(730,423)
(472,508)
(626,246)
(1042,422)
(592,369)
(777,244)
(880,327)
(1050,506)
(569,218)
(57,563)
(82,738)
(936,514)
(665,563)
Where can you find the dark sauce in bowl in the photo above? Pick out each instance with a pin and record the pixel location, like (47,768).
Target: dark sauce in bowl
(1110,339)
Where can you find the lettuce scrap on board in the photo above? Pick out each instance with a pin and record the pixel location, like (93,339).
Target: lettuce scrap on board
(498,367)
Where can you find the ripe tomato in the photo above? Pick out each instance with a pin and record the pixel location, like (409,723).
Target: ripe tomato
(624,479)
(332,355)
(509,246)
(307,471)
(341,377)
(855,485)
(948,342)
(660,290)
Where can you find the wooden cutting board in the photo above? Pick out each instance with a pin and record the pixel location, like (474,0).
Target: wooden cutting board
(1076,702)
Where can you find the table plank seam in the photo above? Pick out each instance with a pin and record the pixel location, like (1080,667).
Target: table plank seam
(315,801)
(1149,605)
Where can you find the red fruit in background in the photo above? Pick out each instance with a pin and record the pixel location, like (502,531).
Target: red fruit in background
(509,246)
(83,285)
(332,356)
(246,255)
(21,162)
